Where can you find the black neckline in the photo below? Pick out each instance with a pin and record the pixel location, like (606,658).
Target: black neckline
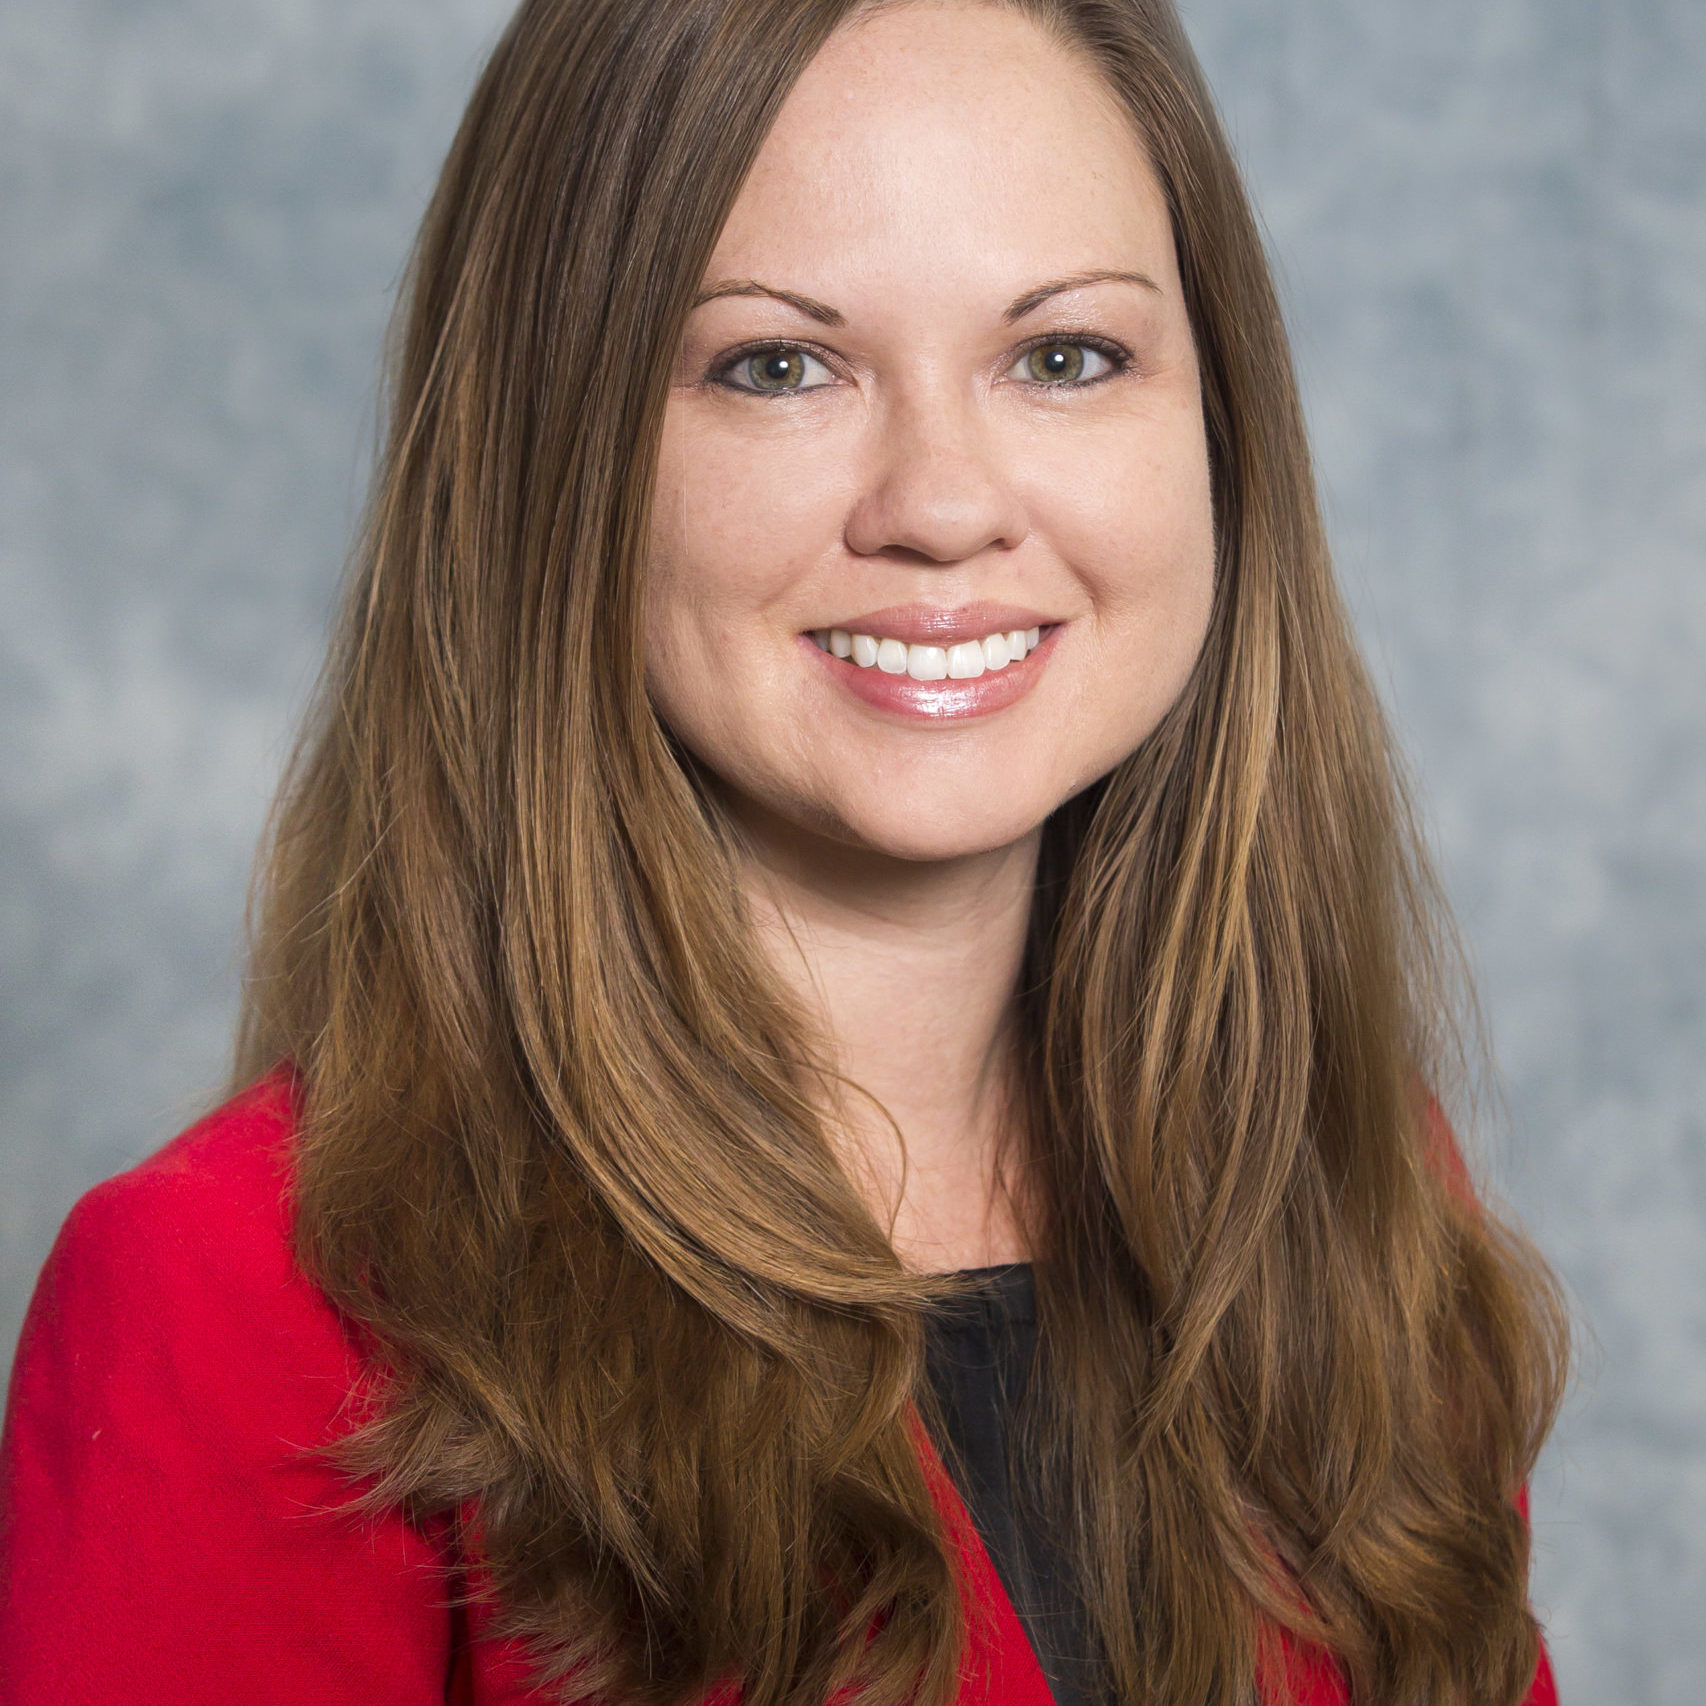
(980,1344)
(1003,1296)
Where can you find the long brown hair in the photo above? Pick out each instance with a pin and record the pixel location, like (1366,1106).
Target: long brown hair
(560,1151)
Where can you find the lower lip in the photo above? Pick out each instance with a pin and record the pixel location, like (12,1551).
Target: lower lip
(939,701)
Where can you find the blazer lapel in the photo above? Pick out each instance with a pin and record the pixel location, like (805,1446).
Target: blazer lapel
(999,1666)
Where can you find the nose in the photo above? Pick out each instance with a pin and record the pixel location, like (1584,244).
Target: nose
(936,487)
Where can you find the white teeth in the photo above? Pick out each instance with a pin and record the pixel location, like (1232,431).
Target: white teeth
(965,661)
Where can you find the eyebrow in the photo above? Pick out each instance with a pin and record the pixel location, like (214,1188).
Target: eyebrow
(819,311)
(1016,310)
(1022,305)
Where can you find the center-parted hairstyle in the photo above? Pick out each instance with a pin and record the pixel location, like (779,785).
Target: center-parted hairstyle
(561,1151)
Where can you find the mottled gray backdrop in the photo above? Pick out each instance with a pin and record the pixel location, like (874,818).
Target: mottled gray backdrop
(1490,221)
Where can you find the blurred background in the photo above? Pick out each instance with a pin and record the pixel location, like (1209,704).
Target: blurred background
(1489,220)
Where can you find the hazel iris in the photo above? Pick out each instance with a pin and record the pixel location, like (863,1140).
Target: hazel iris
(1056,362)
(776,370)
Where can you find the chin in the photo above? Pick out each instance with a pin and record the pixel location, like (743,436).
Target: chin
(930,838)
(916,823)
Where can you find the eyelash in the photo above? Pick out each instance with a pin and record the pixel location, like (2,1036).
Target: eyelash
(1117,355)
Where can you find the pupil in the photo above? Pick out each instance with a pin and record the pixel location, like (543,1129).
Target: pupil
(1057,361)
(779,367)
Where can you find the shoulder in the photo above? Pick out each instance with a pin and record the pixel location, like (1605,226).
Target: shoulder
(218,1191)
(190,1251)
(1442,1153)
(159,1477)
(172,1308)
(171,1319)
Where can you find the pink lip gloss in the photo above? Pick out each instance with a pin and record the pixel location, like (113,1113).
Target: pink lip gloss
(939,701)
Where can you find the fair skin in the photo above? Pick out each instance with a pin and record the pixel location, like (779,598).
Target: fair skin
(976,410)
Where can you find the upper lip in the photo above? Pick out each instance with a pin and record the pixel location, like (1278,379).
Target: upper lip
(936,625)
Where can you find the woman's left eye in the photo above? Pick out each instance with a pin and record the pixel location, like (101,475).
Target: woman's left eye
(1064,361)
(776,371)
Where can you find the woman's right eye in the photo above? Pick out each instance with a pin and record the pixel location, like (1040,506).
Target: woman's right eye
(775,371)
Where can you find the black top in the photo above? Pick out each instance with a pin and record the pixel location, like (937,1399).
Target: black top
(979,1355)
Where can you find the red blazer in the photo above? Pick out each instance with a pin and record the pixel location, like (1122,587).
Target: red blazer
(161,1541)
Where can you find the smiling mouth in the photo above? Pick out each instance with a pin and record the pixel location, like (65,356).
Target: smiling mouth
(964,661)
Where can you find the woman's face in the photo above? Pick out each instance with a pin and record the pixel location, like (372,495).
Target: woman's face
(939,389)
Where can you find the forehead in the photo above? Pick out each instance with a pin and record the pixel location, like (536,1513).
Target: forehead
(948,140)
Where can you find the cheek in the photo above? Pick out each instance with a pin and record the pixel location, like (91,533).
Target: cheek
(733,539)
(1133,514)
(1166,576)
(736,529)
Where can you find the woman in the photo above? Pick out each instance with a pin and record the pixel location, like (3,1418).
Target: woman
(844,806)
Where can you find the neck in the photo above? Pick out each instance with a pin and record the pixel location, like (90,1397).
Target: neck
(910,970)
